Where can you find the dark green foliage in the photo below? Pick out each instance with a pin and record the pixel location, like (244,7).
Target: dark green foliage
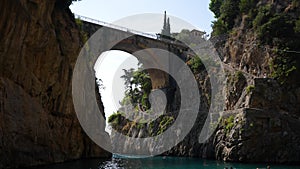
(165,123)
(219,27)
(262,15)
(195,64)
(228,123)
(239,75)
(215,6)
(250,88)
(297,26)
(275,25)
(138,87)
(79,22)
(279,29)
(282,67)
(226,12)
(83,34)
(276,30)
(160,125)
(229,11)
(114,119)
(247,5)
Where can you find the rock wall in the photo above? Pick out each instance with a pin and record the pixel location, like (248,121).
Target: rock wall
(263,127)
(258,136)
(262,115)
(188,147)
(261,131)
(39,44)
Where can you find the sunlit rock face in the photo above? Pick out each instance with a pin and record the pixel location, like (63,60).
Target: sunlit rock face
(260,131)
(261,117)
(262,112)
(39,45)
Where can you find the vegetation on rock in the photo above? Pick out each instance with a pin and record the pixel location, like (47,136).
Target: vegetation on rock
(138,87)
(265,19)
(250,88)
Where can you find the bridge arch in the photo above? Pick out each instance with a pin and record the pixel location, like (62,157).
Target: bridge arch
(137,41)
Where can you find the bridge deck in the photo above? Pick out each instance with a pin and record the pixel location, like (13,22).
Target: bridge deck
(128,30)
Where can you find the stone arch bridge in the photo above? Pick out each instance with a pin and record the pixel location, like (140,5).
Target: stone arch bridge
(137,41)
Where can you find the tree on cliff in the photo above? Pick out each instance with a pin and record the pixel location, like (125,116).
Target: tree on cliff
(225,12)
(138,87)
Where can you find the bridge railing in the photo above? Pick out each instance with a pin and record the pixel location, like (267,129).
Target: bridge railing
(84,18)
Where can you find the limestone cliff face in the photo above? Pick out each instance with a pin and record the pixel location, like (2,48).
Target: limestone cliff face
(262,115)
(262,36)
(261,120)
(259,131)
(39,44)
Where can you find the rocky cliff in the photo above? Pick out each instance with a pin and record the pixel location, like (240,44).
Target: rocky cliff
(39,44)
(261,119)
(262,114)
(259,130)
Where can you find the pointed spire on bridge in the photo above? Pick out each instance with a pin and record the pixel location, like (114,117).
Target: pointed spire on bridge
(166,31)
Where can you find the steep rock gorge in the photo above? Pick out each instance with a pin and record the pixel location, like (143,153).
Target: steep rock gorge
(260,54)
(39,44)
(262,117)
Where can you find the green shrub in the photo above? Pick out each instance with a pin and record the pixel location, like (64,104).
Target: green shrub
(138,87)
(79,22)
(238,75)
(297,26)
(282,67)
(195,64)
(229,11)
(262,16)
(83,34)
(228,123)
(219,27)
(247,5)
(215,6)
(165,123)
(226,12)
(115,119)
(250,88)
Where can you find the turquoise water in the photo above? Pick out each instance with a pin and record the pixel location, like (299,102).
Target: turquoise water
(158,163)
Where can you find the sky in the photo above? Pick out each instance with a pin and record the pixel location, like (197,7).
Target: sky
(109,68)
(134,14)
(195,12)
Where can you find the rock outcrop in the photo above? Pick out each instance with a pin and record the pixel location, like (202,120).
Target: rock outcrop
(261,131)
(262,115)
(39,44)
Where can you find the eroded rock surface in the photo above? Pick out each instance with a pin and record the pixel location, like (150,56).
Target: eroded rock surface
(39,44)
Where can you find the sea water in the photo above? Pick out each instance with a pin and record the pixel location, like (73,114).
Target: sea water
(159,163)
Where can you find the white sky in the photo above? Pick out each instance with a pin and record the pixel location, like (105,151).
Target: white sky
(109,68)
(188,14)
(195,12)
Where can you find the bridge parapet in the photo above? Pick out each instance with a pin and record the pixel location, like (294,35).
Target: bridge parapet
(113,26)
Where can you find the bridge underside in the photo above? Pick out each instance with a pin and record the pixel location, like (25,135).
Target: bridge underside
(142,49)
(136,43)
